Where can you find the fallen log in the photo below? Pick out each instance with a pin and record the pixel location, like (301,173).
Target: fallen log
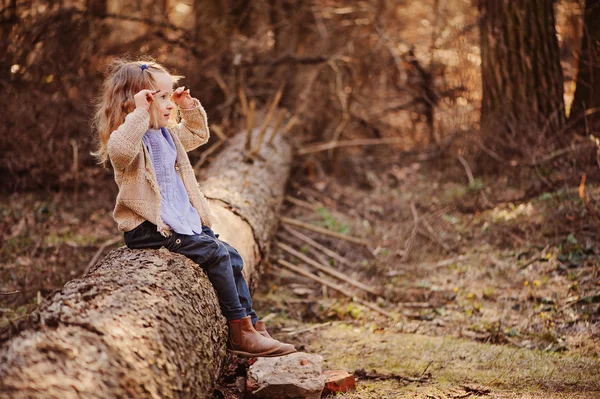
(146,323)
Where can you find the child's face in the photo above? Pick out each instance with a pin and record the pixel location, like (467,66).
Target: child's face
(162,100)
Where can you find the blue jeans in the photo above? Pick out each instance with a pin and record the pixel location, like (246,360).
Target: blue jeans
(220,261)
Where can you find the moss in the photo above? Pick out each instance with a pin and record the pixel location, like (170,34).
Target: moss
(454,361)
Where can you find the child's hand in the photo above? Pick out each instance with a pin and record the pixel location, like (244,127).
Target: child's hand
(144,98)
(183,98)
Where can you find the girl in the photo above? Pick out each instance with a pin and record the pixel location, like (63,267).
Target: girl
(159,202)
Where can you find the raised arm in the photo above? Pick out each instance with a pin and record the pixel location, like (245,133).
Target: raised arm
(124,143)
(193,128)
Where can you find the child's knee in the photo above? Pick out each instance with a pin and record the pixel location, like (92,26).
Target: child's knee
(221,255)
(237,263)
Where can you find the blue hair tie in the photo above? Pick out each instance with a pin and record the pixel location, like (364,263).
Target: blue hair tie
(144,66)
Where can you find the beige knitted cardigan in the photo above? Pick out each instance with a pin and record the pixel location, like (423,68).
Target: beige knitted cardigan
(139,196)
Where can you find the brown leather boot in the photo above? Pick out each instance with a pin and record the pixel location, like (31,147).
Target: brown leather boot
(285,349)
(244,341)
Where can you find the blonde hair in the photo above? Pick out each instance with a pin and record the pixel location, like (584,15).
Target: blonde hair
(123,80)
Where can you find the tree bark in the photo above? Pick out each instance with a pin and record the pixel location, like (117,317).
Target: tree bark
(146,323)
(587,92)
(521,72)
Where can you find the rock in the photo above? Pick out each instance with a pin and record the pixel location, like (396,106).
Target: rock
(338,381)
(298,375)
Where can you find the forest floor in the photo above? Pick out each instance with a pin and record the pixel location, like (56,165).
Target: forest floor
(499,301)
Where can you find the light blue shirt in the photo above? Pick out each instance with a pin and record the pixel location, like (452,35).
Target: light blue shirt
(175,208)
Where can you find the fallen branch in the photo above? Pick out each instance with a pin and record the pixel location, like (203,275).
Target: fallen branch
(349,143)
(307,329)
(339,288)
(322,230)
(374,375)
(316,245)
(326,269)
(302,203)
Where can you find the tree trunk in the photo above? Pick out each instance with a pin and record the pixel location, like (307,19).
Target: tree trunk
(146,323)
(587,92)
(521,72)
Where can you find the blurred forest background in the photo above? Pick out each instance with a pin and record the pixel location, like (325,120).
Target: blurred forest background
(438,129)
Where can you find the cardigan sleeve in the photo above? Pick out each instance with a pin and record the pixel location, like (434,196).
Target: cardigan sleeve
(124,143)
(193,128)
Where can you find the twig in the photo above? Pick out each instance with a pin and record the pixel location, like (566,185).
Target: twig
(285,129)
(10,292)
(465,164)
(307,329)
(316,245)
(477,390)
(421,305)
(585,298)
(340,289)
(560,152)
(112,241)
(326,269)
(301,203)
(373,375)
(434,239)
(512,341)
(207,153)
(450,261)
(219,132)
(484,197)
(372,306)
(269,317)
(244,101)
(290,124)
(250,124)
(277,125)
(348,143)
(409,242)
(535,258)
(268,119)
(288,59)
(434,265)
(322,230)
(426,367)
(221,83)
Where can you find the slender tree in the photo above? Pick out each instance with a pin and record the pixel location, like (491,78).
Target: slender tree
(587,92)
(521,72)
